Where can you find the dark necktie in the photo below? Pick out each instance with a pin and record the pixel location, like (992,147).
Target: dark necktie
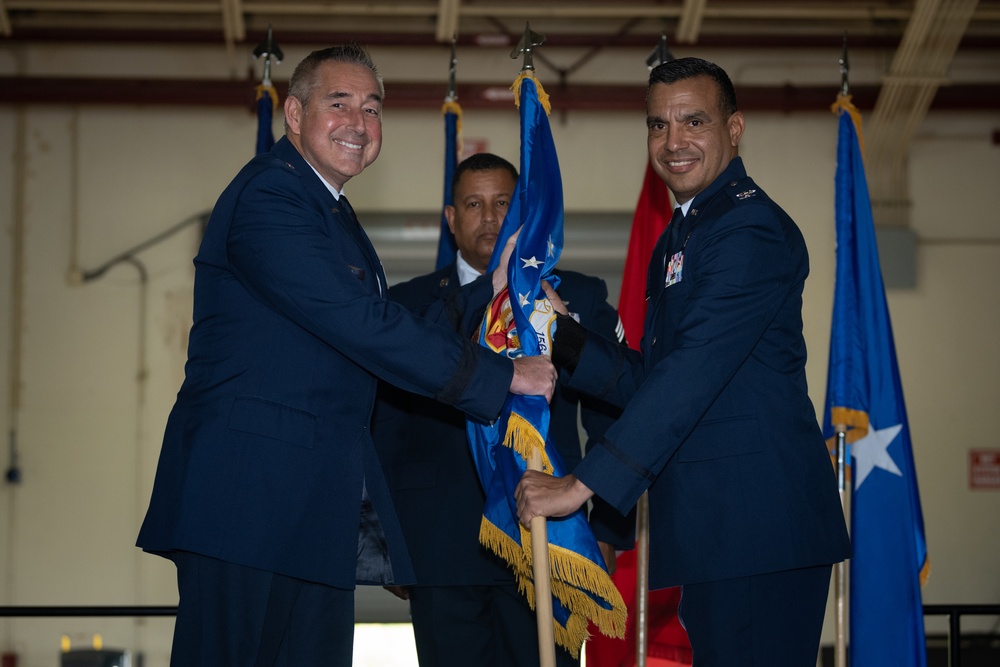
(345,205)
(673,232)
(366,245)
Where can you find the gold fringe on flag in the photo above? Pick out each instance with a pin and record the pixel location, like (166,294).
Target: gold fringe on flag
(564,565)
(524,439)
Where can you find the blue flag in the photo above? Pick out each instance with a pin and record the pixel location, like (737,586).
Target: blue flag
(520,321)
(447,248)
(864,394)
(267,103)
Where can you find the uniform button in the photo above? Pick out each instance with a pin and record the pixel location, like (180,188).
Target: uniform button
(654,340)
(732,184)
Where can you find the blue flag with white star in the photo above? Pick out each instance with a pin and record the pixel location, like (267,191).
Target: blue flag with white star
(520,321)
(864,394)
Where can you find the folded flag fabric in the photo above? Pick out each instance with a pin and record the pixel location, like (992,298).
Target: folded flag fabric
(452,111)
(267,104)
(521,321)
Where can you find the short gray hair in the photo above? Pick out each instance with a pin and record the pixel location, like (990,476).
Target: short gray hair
(304,80)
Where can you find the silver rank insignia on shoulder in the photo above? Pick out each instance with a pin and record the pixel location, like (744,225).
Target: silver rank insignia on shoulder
(747,194)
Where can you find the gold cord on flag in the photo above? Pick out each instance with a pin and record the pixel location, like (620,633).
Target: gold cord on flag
(269,90)
(543,97)
(454,107)
(844,105)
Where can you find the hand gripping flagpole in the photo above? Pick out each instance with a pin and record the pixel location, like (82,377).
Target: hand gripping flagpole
(840,569)
(539,524)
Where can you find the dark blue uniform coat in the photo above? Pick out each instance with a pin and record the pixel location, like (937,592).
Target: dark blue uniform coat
(718,424)
(268,446)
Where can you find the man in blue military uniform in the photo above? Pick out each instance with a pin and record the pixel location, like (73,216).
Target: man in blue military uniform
(466,608)
(269,496)
(717,423)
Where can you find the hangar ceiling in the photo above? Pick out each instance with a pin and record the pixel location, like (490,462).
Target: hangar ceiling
(922,40)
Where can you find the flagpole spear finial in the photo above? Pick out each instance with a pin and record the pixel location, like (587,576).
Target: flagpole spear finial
(268,50)
(661,54)
(452,95)
(845,68)
(528,40)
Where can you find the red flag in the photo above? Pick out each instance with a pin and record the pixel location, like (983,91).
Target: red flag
(667,641)
(652,214)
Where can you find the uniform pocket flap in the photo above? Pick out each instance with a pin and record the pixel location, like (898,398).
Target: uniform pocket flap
(721,438)
(273,420)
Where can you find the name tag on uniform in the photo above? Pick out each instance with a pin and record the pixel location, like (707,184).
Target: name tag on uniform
(675,269)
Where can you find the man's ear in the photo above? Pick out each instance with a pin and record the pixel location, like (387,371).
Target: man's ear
(736,125)
(449,214)
(293,114)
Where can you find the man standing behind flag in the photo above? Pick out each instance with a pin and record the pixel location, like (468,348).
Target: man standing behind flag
(269,496)
(466,608)
(744,511)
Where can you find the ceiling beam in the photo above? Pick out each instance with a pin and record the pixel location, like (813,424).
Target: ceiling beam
(410,95)
(636,40)
(689,26)
(5,27)
(447,20)
(582,10)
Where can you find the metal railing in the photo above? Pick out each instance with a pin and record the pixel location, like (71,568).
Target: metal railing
(35,612)
(954,612)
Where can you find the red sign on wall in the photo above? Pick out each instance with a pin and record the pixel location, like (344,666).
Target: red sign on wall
(984,468)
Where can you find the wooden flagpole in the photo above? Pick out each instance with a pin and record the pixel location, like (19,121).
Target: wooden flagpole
(539,525)
(543,586)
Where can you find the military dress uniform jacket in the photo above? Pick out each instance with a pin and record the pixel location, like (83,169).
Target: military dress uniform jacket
(425,451)
(718,425)
(267,452)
